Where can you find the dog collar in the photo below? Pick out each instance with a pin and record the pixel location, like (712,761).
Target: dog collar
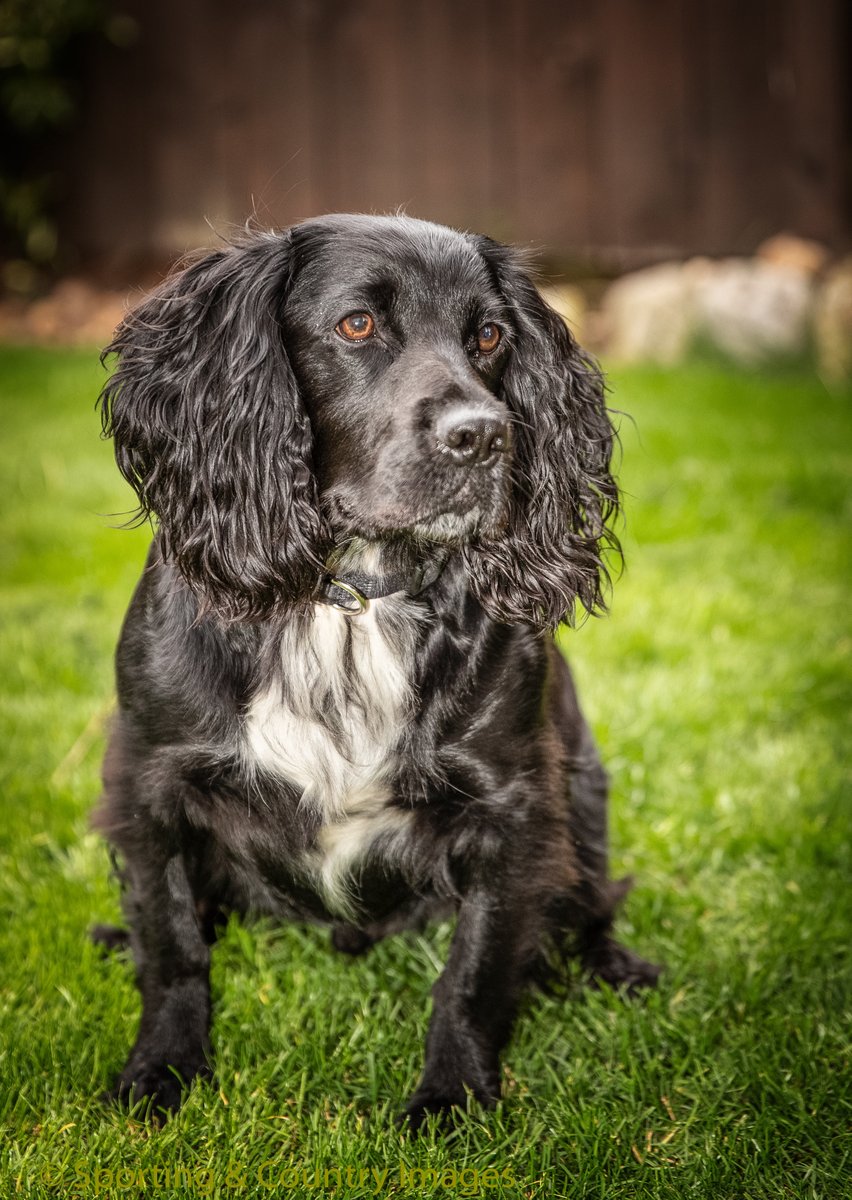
(351,593)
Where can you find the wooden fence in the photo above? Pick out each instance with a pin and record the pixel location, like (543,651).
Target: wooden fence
(611,132)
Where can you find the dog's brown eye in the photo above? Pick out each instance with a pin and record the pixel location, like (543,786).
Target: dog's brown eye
(357,327)
(488,338)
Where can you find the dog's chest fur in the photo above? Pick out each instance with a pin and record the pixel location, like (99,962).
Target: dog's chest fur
(330,722)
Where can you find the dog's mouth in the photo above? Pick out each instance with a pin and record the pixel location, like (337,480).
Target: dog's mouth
(454,527)
(447,524)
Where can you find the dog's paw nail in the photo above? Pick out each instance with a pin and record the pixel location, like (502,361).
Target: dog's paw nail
(155,1091)
(444,1110)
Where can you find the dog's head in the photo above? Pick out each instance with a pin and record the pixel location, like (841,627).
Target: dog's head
(371,377)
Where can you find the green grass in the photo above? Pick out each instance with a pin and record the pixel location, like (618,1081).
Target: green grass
(720,690)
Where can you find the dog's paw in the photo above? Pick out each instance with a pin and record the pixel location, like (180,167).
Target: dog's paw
(615,965)
(447,1106)
(445,1109)
(349,939)
(155,1088)
(109,937)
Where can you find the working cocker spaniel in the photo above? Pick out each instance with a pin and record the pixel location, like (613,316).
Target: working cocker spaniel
(380,469)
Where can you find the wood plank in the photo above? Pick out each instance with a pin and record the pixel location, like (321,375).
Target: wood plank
(265,147)
(817,172)
(557,52)
(367,108)
(743,145)
(641,130)
(625,130)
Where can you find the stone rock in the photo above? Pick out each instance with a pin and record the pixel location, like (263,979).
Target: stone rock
(647,315)
(570,302)
(799,254)
(63,311)
(833,323)
(103,319)
(74,313)
(752,310)
(13,319)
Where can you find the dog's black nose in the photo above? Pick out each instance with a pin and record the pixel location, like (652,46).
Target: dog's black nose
(472,438)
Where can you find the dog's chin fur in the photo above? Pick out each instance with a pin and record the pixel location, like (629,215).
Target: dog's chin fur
(272,754)
(449,528)
(444,529)
(457,524)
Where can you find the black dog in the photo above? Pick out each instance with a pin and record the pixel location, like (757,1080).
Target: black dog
(380,468)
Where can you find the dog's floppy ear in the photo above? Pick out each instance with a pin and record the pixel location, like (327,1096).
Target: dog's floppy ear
(551,554)
(210,430)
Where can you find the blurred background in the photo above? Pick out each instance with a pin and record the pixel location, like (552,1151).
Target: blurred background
(608,136)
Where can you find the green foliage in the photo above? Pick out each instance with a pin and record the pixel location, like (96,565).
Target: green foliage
(43,44)
(720,689)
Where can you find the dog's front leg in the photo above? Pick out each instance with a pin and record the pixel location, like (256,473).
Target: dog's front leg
(474,1005)
(172,972)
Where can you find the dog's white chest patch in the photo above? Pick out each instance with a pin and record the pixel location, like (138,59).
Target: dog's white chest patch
(331,726)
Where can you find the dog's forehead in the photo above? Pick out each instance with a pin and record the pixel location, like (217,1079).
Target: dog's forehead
(414,262)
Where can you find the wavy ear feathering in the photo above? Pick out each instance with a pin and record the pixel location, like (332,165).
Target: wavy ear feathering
(552,552)
(211,433)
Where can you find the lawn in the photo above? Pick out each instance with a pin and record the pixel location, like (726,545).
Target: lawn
(720,688)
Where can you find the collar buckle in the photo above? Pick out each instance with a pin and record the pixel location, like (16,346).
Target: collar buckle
(361,602)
